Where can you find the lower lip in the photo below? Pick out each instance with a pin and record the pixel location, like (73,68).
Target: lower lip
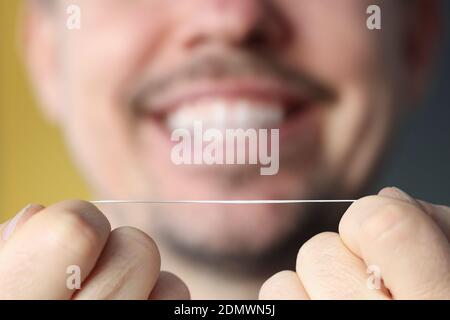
(303,121)
(299,138)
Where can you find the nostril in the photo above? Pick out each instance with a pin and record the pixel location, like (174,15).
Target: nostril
(195,41)
(248,23)
(257,39)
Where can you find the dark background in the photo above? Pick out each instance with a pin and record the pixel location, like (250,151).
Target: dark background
(419,162)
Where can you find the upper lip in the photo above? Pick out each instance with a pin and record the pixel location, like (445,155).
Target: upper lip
(229,75)
(262,89)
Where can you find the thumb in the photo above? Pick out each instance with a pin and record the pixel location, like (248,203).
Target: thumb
(440,214)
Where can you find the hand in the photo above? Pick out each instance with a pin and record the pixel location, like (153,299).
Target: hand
(40,244)
(393,236)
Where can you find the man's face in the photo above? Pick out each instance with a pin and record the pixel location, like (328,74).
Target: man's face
(135,67)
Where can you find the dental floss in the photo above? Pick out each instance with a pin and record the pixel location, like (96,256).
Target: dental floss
(219,201)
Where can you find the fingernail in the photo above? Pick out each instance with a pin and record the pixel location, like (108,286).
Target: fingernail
(9,229)
(396,193)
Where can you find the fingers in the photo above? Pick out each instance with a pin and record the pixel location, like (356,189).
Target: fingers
(170,287)
(285,285)
(128,268)
(440,215)
(39,249)
(34,261)
(328,270)
(401,239)
(397,235)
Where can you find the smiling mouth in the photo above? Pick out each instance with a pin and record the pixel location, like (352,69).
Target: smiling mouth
(230,104)
(235,90)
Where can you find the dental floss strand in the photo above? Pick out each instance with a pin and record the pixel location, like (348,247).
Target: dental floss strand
(220,201)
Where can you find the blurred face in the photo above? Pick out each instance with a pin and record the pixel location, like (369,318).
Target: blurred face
(137,70)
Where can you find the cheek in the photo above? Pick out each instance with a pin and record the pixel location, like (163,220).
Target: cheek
(331,39)
(101,59)
(111,44)
(100,62)
(333,43)
(357,128)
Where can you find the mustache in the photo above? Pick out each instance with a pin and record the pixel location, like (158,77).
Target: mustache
(233,66)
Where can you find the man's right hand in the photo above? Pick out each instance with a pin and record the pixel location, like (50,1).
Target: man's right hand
(40,246)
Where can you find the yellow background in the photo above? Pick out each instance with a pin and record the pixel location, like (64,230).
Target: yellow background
(34,166)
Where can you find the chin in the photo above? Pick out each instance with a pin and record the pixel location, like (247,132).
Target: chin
(219,231)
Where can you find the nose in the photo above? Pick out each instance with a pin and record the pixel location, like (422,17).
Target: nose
(250,23)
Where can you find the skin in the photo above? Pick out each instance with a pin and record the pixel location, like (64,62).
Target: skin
(364,86)
(406,239)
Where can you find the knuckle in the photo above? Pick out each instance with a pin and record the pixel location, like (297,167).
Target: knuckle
(273,286)
(71,231)
(74,206)
(356,209)
(279,277)
(317,247)
(144,246)
(392,220)
(178,288)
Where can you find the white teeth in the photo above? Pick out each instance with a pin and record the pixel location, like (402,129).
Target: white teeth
(223,114)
